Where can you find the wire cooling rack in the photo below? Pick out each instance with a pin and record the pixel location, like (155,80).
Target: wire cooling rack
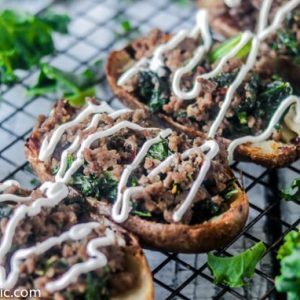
(95,30)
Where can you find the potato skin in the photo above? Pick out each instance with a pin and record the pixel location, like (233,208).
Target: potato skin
(181,238)
(116,63)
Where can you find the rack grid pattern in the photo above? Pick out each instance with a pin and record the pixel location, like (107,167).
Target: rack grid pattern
(94,31)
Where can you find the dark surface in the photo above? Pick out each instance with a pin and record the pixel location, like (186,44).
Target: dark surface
(92,36)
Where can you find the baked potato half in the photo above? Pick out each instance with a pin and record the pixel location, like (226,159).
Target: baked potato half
(249,113)
(51,244)
(120,160)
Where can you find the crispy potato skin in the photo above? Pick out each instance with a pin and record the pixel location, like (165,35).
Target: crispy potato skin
(212,234)
(117,62)
(137,264)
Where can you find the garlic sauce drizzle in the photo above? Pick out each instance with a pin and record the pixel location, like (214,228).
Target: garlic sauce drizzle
(55,193)
(262,33)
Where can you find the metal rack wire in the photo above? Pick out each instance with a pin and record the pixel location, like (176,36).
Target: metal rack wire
(94,32)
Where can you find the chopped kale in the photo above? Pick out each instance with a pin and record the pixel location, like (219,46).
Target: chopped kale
(142,214)
(261,101)
(92,185)
(97,287)
(292,193)
(225,79)
(5,211)
(160,151)
(205,210)
(133,181)
(230,190)
(138,211)
(153,90)
(286,41)
(70,159)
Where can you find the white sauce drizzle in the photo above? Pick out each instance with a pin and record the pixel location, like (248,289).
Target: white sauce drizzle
(201,27)
(210,146)
(96,259)
(11,197)
(76,143)
(55,193)
(157,59)
(79,161)
(233,3)
(261,35)
(48,147)
(188,95)
(120,210)
(77,232)
(267,133)
(8,183)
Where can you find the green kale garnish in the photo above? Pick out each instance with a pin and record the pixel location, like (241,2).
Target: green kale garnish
(289,256)
(235,271)
(153,90)
(286,41)
(261,101)
(230,190)
(5,211)
(70,159)
(227,46)
(159,151)
(292,193)
(73,87)
(138,211)
(25,39)
(104,186)
(97,286)
(225,79)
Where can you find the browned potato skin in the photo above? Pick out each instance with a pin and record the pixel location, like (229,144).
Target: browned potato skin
(180,238)
(118,60)
(137,264)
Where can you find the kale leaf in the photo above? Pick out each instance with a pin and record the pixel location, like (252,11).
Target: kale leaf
(73,87)
(292,193)
(286,41)
(236,270)
(289,255)
(104,186)
(25,39)
(159,151)
(261,101)
(97,286)
(225,47)
(153,90)
(230,190)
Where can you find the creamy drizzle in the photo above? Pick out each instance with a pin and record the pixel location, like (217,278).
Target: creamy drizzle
(120,210)
(79,161)
(267,133)
(233,3)
(8,183)
(48,147)
(55,193)
(11,197)
(77,232)
(95,261)
(194,92)
(201,27)
(76,143)
(210,146)
(261,35)
(157,60)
